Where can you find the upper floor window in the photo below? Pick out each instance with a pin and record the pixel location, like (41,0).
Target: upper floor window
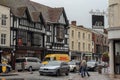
(48,39)
(38,26)
(48,28)
(23,36)
(88,36)
(72,45)
(79,35)
(3,39)
(83,35)
(72,33)
(3,19)
(37,40)
(60,33)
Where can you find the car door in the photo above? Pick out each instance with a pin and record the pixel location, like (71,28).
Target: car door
(64,67)
(38,64)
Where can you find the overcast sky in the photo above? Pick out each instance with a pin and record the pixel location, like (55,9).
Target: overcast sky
(78,9)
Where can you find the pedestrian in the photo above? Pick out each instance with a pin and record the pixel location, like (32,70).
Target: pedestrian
(80,67)
(84,70)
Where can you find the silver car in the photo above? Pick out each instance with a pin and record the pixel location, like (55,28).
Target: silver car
(27,63)
(92,65)
(74,66)
(55,68)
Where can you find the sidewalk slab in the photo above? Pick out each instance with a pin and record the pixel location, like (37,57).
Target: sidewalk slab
(8,74)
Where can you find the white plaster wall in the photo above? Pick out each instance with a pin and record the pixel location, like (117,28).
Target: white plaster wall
(114,34)
(5,29)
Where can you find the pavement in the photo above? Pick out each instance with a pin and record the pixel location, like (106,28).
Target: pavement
(8,74)
(12,73)
(95,76)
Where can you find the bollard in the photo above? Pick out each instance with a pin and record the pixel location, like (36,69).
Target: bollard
(23,66)
(99,69)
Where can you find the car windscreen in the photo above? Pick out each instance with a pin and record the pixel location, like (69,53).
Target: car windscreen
(47,59)
(71,63)
(53,64)
(20,60)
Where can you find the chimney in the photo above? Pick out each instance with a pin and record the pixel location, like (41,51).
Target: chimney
(73,23)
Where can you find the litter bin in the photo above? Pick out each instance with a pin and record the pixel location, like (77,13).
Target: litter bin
(99,69)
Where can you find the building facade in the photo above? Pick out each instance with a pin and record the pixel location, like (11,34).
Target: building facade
(100,43)
(56,30)
(80,42)
(114,37)
(5,49)
(36,29)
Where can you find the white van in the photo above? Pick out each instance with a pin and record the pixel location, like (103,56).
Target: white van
(27,63)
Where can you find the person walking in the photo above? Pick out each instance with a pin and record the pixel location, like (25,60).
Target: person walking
(84,70)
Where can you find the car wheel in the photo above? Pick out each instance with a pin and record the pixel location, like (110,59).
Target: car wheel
(58,73)
(30,69)
(74,70)
(67,73)
(95,69)
(41,74)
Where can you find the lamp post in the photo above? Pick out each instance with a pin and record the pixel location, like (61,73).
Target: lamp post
(0,54)
(13,58)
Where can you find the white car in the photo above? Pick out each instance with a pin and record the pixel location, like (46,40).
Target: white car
(92,65)
(27,63)
(73,66)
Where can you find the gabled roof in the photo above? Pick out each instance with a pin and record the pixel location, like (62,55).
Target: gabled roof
(54,14)
(21,11)
(18,8)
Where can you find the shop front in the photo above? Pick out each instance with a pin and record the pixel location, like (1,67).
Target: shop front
(76,55)
(114,51)
(117,57)
(22,51)
(29,52)
(5,56)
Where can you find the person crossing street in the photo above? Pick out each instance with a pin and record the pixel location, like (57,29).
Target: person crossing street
(84,70)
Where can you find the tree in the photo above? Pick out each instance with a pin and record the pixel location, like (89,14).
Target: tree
(105,57)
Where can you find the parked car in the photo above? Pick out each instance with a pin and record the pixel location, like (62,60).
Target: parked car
(8,67)
(92,65)
(103,64)
(74,66)
(55,68)
(27,63)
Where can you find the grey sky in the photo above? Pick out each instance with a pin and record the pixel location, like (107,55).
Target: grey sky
(78,9)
